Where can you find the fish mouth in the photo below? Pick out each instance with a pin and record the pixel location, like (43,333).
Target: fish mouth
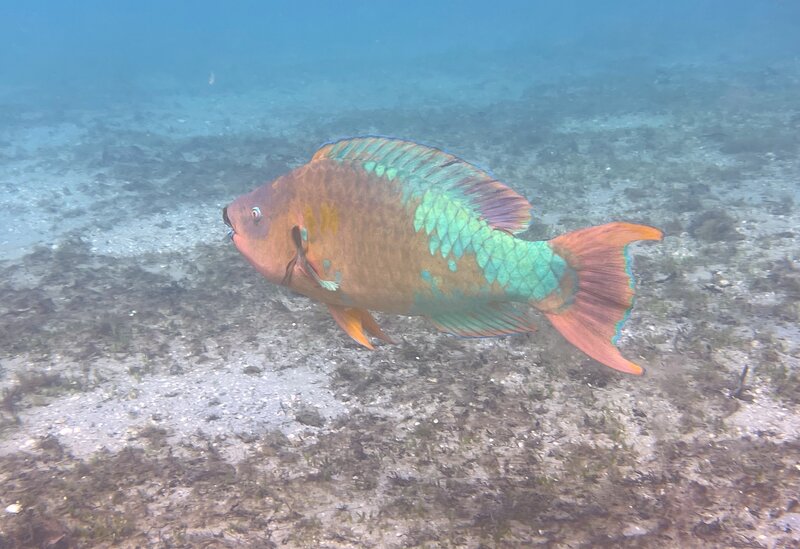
(227,221)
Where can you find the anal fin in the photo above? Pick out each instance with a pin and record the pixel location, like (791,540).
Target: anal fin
(492,319)
(354,321)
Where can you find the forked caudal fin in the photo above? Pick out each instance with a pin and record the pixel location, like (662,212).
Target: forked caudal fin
(593,317)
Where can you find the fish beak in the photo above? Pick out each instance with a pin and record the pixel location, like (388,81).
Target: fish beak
(227,221)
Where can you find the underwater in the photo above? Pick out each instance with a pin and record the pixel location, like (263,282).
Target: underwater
(422,274)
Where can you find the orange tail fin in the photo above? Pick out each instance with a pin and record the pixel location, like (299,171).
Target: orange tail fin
(591,320)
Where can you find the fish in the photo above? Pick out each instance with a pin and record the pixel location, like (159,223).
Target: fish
(380,224)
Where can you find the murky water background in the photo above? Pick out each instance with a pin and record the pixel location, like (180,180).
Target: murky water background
(156,391)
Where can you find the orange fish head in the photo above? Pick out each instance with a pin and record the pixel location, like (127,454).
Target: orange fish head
(251,218)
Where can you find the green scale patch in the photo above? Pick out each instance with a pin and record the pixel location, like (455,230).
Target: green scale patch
(524,269)
(453,202)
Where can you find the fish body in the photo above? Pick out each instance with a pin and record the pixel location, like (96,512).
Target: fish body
(380,224)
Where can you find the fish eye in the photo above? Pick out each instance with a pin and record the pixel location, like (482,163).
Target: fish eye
(256,213)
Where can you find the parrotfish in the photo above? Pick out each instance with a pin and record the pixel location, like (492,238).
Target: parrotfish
(383,224)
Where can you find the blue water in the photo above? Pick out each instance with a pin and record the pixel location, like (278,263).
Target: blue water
(155,390)
(61,48)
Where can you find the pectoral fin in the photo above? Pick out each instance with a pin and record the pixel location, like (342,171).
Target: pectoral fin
(301,262)
(355,321)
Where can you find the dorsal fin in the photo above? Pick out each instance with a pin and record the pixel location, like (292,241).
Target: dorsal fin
(422,168)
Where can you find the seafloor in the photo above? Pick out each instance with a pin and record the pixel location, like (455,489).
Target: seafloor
(156,391)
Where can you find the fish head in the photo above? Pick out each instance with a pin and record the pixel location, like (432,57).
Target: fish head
(252,219)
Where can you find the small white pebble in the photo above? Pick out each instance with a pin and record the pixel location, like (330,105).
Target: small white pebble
(14,508)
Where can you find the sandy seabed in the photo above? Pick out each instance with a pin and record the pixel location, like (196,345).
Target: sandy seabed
(156,391)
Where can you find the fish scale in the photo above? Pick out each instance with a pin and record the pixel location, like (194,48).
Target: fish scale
(443,218)
(396,226)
